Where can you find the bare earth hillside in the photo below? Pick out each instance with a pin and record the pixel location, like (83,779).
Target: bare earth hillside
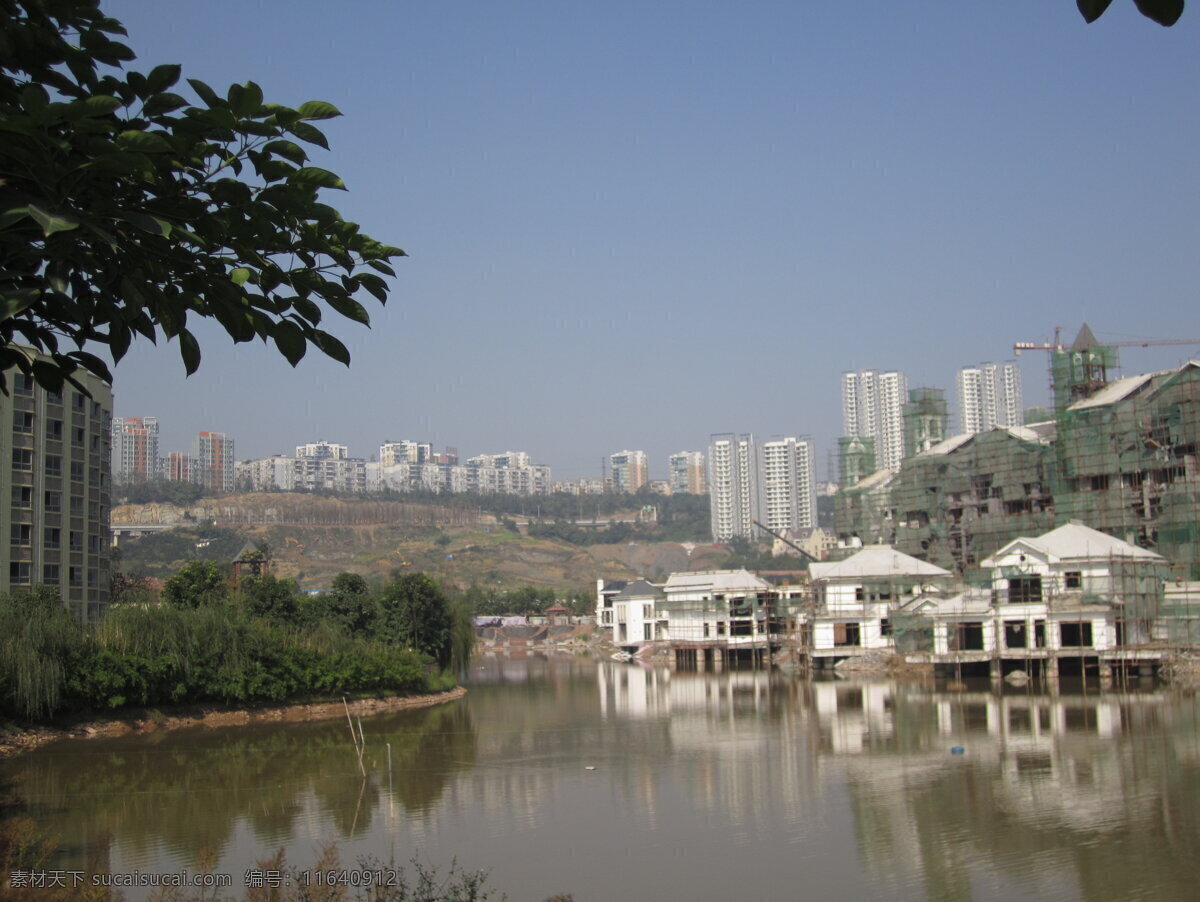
(312,539)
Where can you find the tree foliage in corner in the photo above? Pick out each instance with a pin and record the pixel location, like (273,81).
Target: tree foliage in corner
(124,208)
(1164,12)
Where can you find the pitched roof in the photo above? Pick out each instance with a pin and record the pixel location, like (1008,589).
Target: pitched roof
(875,561)
(1075,541)
(639,588)
(717,580)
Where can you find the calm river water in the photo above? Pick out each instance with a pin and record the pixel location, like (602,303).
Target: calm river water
(611,781)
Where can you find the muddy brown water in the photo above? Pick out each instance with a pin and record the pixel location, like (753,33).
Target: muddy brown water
(616,781)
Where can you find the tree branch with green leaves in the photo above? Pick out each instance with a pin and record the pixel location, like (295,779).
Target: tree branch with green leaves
(128,212)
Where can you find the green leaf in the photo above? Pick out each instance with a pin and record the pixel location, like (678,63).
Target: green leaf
(331,347)
(205,93)
(249,100)
(310,134)
(161,104)
(373,284)
(13,302)
(290,340)
(318,109)
(143,142)
(48,375)
(315,176)
(96,105)
(289,150)
(53,222)
(1164,12)
(239,276)
(148,223)
(11,215)
(1092,9)
(189,350)
(162,77)
(349,308)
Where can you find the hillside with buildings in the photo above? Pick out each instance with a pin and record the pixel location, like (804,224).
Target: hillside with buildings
(313,538)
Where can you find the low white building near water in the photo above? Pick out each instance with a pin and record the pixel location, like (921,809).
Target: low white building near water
(709,614)
(853,600)
(1072,593)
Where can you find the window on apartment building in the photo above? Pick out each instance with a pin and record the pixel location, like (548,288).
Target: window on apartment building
(847,634)
(885,627)
(1039,634)
(53,465)
(76,506)
(77,470)
(54,430)
(23,385)
(1073,579)
(967,637)
(23,422)
(76,539)
(75,576)
(1076,635)
(22,459)
(52,502)
(93,577)
(77,402)
(1024,589)
(52,537)
(647,631)
(1015,634)
(51,573)
(22,534)
(22,496)
(78,433)
(94,546)
(18,573)
(54,397)
(93,510)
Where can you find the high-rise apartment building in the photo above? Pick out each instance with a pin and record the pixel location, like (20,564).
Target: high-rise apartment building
(322,450)
(212,461)
(134,449)
(628,471)
(57,483)
(405,452)
(686,473)
(788,484)
(734,490)
(177,467)
(873,407)
(989,395)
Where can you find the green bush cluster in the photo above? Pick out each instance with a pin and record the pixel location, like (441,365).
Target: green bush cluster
(151,655)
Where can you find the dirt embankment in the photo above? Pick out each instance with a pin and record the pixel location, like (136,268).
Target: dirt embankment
(18,740)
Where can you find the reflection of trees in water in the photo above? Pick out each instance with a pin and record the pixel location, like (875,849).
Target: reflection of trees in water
(209,780)
(1107,816)
(424,761)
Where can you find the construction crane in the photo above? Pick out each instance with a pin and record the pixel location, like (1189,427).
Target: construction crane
(1020,346)
(786,541)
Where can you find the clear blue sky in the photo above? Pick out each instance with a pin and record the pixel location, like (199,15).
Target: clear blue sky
(632,225)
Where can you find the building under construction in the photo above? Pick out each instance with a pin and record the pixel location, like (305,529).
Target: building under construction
(1120,455)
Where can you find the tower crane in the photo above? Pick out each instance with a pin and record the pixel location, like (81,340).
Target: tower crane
(1020,346)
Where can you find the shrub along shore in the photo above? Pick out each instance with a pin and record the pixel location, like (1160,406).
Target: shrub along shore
(257,646)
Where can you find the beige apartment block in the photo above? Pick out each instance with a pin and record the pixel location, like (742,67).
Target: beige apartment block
(56,488)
